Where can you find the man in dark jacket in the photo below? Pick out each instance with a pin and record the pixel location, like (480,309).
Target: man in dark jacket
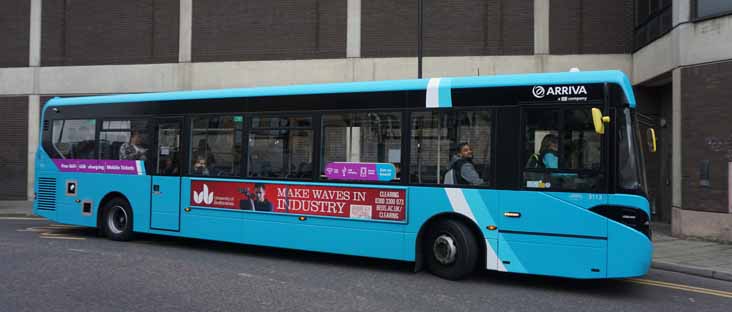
(256,201)
(462,166)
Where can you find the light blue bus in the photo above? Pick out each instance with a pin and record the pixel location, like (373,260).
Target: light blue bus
(533,173)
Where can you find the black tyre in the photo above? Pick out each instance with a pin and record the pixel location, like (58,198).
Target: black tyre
(450,249)
(117,220)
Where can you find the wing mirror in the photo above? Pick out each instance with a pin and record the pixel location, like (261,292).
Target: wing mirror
(651,140)
(599,120)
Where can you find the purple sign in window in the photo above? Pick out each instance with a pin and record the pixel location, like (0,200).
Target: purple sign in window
(360,171)
(136,167)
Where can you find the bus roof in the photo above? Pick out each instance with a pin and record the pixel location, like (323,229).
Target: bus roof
(560,78)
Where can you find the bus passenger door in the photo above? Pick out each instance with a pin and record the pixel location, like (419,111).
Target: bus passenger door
(165,205)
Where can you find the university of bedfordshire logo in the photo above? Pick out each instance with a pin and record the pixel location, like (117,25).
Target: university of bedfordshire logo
(204,196)
(538,91)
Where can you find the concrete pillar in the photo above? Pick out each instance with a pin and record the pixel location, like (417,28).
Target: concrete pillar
(185,32)
(541,26)
(34,55)
(676,139)
(34,61)
(33,138)
(681,11)
(353,29)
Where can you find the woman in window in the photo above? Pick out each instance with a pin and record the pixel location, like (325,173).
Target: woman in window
(547,156)
(549,150)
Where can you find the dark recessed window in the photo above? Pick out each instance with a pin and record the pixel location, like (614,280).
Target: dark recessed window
(710,8)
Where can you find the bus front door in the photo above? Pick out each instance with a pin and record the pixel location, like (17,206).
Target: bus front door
(553,233)
(165,199)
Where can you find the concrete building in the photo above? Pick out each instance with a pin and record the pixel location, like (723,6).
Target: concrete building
(678,54)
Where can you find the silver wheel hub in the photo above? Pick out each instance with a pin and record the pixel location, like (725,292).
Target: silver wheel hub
(444,249)
(117,219)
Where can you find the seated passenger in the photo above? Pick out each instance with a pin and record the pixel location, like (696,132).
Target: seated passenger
(133,150)
(461,169)
(200,166)
(205,149)
(170,167)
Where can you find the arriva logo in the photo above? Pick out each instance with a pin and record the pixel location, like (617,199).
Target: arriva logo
(203,197)
(540,92)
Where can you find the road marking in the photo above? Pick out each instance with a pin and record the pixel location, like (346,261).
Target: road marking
(268,279)
(41,229)
(63,237)
(53,231)
(21,218)
(707,291)
(62,225)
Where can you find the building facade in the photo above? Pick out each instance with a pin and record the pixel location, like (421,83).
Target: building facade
(678,54)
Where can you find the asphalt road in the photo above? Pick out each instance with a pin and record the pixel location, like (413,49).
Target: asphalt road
(50,267)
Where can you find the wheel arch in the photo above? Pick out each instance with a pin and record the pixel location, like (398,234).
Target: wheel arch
(474,229)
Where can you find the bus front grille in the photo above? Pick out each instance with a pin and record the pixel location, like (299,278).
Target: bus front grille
(46,196)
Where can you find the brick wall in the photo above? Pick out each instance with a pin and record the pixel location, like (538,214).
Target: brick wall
(14,32)
(590,26)
(14,140)
(245,30)
(707,134)
(450,28)
(96,32)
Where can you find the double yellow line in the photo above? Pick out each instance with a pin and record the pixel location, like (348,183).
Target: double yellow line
(706,291)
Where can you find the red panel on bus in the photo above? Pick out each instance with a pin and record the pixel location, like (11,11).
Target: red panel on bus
(333,201)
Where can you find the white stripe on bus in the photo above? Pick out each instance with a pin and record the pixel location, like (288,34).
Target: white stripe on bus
(433,93)
(460,205)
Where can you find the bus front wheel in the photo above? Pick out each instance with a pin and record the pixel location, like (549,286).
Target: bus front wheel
(450,250)
(117,220)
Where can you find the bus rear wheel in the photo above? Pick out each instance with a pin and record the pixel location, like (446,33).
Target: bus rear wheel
(117,220)
(450,249)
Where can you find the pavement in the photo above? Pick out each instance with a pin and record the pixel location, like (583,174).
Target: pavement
(689,255)
(16,208)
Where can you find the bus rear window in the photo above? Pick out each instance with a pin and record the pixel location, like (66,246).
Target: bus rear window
(74,139)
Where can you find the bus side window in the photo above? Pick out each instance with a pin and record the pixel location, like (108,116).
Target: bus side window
(435,137)
(216,145)
(281,147)
(126,140)
(362,138)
